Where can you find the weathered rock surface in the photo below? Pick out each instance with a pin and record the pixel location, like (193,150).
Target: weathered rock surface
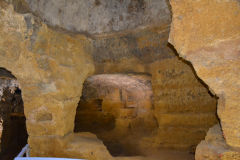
(51,66)
(207,33)
(214,147)
(101,16)
(78,145)
(118,109)
(178,96)
(36,55)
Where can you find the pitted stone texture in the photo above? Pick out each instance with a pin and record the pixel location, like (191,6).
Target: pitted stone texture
(179,97)
(50,66)
(214,147)
(197,24)
(209,38)
(182,104)
(101,16)
(218,66)
(217,62)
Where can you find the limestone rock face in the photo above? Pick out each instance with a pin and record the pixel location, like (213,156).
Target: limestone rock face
(51,66)
(181,103)
(213,146)
(40,65)
(207,34)
(206,21)
(100,16)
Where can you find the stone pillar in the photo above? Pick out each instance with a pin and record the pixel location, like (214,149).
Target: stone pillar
(50,67)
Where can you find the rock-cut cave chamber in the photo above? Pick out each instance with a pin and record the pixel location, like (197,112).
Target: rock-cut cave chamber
(119,109)
(99,80)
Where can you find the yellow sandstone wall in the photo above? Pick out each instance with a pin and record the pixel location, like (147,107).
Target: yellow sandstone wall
(207,34)
(182,105)
(51,66)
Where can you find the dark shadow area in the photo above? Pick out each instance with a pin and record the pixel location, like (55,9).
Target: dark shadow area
(6,74)
(89,117)
(13,131)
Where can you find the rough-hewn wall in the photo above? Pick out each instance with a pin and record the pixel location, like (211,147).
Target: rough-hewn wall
(118,109)
(101,16)
(182,104)
(183,107)
(51,65)
(207,33)
(50,68)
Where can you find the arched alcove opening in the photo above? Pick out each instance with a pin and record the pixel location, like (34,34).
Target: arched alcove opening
(140,114)
(118,109)
(13,131)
